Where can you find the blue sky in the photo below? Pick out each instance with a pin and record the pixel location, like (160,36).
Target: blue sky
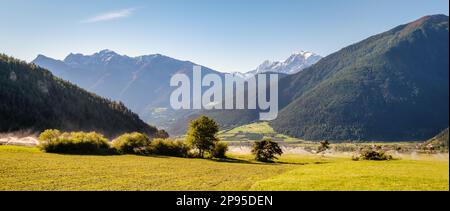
(226,35)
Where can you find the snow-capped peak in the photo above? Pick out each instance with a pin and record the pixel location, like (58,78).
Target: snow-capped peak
(304,54)
(293,64)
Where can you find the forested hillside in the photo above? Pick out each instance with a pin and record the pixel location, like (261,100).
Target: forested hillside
(31,98)
(392,86)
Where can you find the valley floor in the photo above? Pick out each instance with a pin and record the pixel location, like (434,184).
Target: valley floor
(27,168)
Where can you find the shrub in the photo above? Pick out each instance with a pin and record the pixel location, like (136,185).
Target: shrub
(372,154)
(169,148)
(266,150)
(131,143)
(54,141)
(49,135)
(219,150)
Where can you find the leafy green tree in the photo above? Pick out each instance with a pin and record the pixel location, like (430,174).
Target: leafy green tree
(266,150)
(202,135)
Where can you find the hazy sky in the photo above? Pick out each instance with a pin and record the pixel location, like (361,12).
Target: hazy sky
(226,35)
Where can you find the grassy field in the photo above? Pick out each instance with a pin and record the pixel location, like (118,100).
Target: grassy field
(253,132)
(23,168)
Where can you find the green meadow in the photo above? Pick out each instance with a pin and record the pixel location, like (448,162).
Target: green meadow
(27,168)
(255,132)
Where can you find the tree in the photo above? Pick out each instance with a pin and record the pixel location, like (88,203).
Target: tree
(324,145)
(162,134)
(202,134)
(266,150)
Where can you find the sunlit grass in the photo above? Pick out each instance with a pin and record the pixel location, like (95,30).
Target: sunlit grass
(260,127)
(344,174)
(245,132)
(23,168)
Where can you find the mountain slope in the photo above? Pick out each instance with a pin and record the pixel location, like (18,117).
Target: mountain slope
(142,82)
(392,86)
(31,98)
(440,141)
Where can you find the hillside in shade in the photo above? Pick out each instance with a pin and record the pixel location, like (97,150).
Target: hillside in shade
(31,98)
(392,86)
(440,141)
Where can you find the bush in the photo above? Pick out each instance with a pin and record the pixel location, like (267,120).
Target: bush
(131,143)
(48,135)
(169,148)
(162,134)
(266,150)
(54,141)
(372,154)
(219,150)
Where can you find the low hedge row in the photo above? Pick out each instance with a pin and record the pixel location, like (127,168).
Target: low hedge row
(54,141)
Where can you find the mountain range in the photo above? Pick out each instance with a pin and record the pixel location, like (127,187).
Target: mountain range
(142,83)
(392,86)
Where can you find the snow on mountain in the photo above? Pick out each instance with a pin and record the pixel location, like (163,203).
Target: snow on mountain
(294,64)
(243,75)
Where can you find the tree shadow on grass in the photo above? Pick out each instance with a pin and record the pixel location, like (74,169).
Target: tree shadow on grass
(239,161)
(233,160)
(304,163)
(221,160)
(78,153)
